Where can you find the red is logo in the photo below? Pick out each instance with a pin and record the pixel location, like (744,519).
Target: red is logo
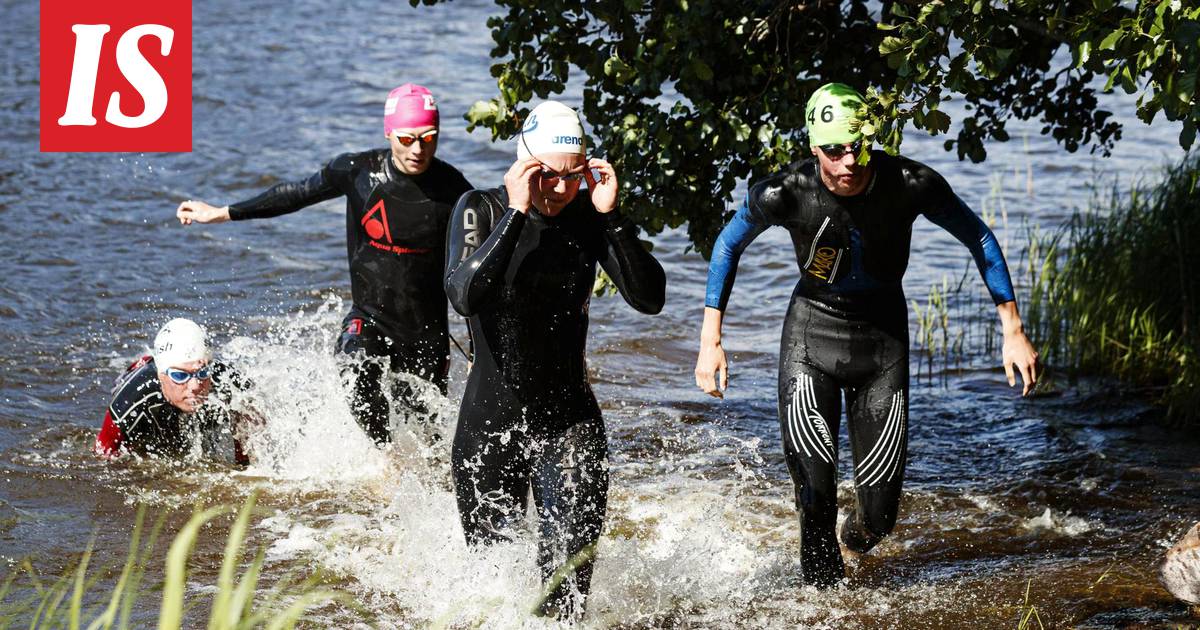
(377,226)
(116,76)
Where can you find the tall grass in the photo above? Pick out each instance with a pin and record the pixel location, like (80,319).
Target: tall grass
(28,600)
(1115,293)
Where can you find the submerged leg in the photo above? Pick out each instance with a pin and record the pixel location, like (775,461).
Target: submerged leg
(491,477)
(364,350)
(809,410)
(570,489)
(878,426)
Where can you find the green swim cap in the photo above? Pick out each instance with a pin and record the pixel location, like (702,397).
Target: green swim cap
(829,112)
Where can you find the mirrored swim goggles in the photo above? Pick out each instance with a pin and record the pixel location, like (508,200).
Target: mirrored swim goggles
(835,151)
(180,377)
(406,139)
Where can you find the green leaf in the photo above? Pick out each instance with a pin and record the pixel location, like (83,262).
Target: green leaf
(892,44)
(937,122)
(701,70)
(1110,41)
(1082,53)
(1187,136)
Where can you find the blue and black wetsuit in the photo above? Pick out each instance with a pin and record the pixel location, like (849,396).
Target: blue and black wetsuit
(528,418)
(395,240)
(847,331)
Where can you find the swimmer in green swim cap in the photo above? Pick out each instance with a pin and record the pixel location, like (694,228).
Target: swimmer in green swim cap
(830,114)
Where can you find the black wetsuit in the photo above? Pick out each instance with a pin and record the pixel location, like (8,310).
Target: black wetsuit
(395,240)
(140,420)
(847,331)
(528,416)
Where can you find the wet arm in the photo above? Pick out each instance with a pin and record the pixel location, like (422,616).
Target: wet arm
(289,197)
(1019,355)
(108,441)
(638,275)
(957,219)
(478,252)
(727,251)
(712,372)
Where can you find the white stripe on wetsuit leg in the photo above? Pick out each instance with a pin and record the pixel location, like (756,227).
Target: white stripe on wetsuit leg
(800,417)
(903,439)
(868,462)
(811,417)
(888,441)
(792,425)
(893,437)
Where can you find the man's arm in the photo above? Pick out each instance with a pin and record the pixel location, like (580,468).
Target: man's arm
(278,200)
(108,441)
(477,251)
(1017,350)
(956,218)
(722,270)
(636,273)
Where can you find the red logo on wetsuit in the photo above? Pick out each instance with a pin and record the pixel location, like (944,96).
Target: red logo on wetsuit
(355,327)
(375,222)
(116,76)
(377,226)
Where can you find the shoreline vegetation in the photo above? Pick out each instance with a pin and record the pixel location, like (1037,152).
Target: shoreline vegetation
(1109,296)
(1112,296)
(77,598)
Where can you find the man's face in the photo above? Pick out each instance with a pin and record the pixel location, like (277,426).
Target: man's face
(415,158)
(554,190)
(843,175)
(190,395)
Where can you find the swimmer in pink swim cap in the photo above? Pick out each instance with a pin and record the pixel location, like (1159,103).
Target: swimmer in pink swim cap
(398,202)
(410,122)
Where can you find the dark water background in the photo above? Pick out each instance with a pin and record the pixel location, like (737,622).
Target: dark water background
(1073,496)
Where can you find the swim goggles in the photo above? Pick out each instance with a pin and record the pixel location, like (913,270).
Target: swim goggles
(180,377)
(406,139)
(835,151)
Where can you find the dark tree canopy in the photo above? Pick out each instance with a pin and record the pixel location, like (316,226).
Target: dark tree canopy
(693,95)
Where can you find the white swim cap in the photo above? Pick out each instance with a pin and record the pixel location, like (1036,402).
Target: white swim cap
(551,128)
(179,341)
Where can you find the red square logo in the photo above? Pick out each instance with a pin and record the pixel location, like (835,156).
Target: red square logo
(116,76)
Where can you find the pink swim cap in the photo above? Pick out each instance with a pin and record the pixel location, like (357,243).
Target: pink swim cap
(409,105)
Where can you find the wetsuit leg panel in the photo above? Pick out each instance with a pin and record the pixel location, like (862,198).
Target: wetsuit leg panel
(878,427)
(809,412)
(365,351)
(809,409)
(407,396)
(491,475)
(570,489)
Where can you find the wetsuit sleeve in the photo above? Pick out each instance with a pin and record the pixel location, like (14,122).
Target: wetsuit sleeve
(731,242)
(288,197)
(478,250)
(956,218)
(108,441)
(638,275)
